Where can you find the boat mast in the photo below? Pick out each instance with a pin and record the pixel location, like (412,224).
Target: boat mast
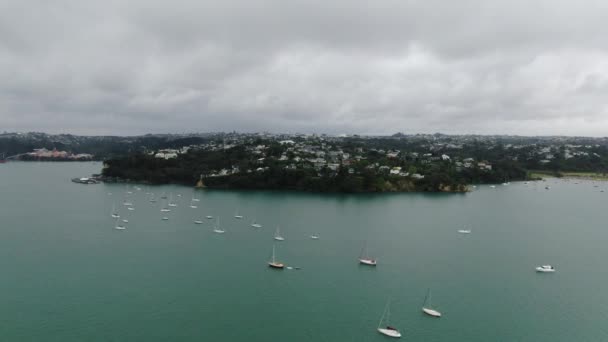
(387,313)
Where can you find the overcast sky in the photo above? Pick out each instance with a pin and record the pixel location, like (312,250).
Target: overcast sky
(328,66)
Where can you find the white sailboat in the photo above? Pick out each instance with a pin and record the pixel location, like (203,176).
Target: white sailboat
(217,228)
(273,262)
(192,204)
(209,217)
(194,199)
(464,231)
(114,213)
(152,198)
(314,237)
(237,215)
(384,327)
(277,234)
(254,224)
(427,306)
(198,222)
(119,226)
(171,203)
(165,209)
(365,259)
(130,208)
(545,269)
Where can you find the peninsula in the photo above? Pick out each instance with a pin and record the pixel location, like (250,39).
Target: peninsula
(322,163)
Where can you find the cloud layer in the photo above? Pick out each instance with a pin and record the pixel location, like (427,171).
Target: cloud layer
(341,66)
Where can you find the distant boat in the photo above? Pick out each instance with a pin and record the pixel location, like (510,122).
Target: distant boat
(163,196)
(384,327)
(209,217)
(255,224)
(165,218)
(152,199)
(237,215)
(365,259)
(273,262)
(547,187)
(314,237)
(198,221)
(130,208)
(192,205)
(171,203)
(277,234)
(493,186)
(125,220)
(119,226)
(194,199)
(217,228)
(114,213)
(464,231)
(545,269)
(127,203)
(427,307)
(165,210)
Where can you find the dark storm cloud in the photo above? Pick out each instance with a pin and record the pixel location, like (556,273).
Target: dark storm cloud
(526,67)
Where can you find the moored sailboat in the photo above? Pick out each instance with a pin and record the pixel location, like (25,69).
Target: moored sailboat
(365,259)
(277,234)
(384,327)
(273,262)
(217,228)
(427,306)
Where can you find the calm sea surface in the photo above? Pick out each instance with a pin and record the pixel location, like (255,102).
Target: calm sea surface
(68,275)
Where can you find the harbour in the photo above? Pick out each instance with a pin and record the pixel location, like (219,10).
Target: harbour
(70,275)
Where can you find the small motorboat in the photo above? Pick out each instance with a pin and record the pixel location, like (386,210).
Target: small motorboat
(198,222)
(464,231)
(545,269)
(314,237)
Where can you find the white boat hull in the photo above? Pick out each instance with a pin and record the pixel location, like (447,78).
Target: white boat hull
(198,222)
(389,332)
(279,238)
(431,312)
(238,216)
(276,265)
(545,270)
(368,262)
(314,237)
(255,225)
(218,231)
(120,228)
(464,231)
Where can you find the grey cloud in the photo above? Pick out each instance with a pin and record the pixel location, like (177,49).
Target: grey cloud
(117,67)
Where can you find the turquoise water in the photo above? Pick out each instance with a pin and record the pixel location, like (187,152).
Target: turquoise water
(68,275)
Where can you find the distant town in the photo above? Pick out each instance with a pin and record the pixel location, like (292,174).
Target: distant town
(312,162)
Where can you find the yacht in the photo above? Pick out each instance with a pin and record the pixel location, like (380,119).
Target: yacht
(545,269)
(273,263)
